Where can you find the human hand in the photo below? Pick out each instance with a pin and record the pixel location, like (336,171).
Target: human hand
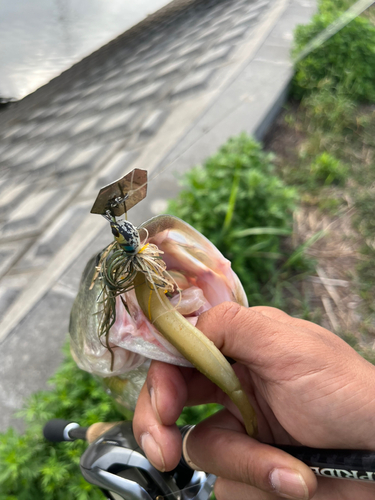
(307,385)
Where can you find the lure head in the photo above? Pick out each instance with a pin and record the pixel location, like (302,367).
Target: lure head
(127,236)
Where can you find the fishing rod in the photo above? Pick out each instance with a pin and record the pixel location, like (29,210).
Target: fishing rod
(118,466)
(115,463)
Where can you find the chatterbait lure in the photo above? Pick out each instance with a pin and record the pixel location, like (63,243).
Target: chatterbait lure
(123,259)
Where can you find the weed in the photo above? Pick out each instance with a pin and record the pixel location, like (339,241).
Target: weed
(238,202)
(347,59)
(333,160)
(330,109)
(326,170)
(32,468)
(330,205)
(352,340)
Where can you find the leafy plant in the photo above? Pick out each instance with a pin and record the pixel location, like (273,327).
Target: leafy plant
(238,202)
(32,468)
(347,59)
(194,414)
(326,169)
(330,109)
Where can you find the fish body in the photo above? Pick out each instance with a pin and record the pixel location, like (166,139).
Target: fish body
(205,279)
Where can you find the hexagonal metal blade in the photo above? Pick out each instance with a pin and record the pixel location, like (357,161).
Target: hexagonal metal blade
(121,195)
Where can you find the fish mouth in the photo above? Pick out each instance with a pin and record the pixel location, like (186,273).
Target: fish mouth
(203,278)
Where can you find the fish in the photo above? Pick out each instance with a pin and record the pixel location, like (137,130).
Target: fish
(150,325)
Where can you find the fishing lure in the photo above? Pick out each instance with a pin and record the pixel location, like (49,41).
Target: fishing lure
(124,258)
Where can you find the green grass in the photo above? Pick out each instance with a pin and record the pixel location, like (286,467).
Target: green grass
(333,119)
(346,60)
(32,468)
(238,202)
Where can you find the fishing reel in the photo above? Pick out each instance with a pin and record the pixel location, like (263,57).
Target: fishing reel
(116,464)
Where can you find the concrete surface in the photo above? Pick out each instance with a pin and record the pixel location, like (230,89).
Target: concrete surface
(43,38)
(163,99)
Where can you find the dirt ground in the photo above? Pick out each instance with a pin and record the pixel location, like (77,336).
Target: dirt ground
(332,293)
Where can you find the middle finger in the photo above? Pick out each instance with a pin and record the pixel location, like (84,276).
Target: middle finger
(161,443)
(171,388)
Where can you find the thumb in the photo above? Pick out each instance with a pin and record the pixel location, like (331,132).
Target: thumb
(253,337)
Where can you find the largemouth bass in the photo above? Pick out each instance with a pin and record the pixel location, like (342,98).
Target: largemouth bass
(204,278)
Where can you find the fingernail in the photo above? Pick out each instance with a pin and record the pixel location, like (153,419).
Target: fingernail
(153,404)
(289,483)
(153,451)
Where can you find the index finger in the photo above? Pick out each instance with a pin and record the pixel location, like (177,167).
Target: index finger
(269,347)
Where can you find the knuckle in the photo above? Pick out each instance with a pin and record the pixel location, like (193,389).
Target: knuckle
(253,473)
(273,313)
(230,311)
(244,465)
(246,472)
(241,319)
